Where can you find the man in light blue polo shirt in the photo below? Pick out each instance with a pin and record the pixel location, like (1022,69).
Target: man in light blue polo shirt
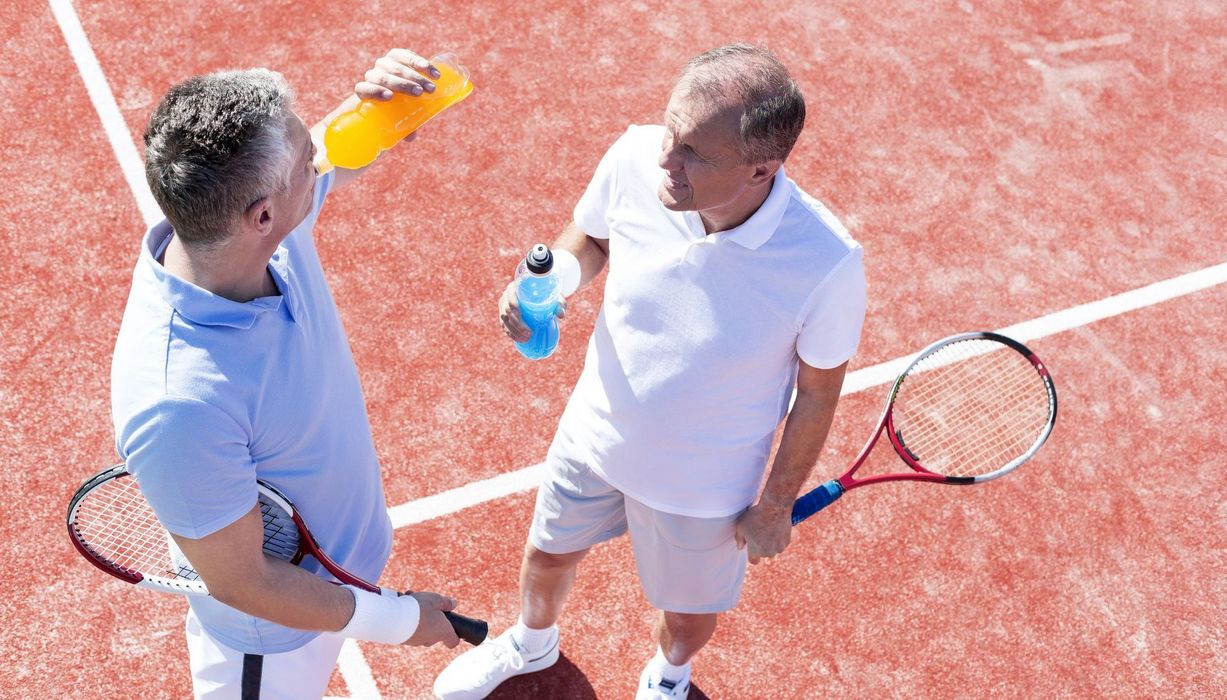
(231,365)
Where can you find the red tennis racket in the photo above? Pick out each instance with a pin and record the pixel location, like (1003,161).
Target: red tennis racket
(968,408)
(112,525)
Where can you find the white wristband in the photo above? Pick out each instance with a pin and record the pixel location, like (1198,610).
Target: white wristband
(382,617)
(569,273)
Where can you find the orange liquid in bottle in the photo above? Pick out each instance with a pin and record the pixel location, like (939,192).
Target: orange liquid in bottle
(355,138)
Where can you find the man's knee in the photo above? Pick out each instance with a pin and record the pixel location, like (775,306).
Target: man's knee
(686,624)
(539,560)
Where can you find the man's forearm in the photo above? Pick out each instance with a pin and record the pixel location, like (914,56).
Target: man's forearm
(240,575)
(805,433)
(289,596)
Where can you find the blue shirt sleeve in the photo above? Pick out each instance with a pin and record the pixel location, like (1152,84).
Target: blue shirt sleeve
(192,463)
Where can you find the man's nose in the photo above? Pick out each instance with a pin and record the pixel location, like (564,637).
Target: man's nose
(670,159)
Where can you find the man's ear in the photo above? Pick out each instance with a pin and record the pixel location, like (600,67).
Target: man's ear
(259,216)
(763,172)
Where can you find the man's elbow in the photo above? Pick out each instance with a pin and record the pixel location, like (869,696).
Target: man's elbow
(237,588)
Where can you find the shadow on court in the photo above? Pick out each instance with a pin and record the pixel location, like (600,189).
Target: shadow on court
(562,680)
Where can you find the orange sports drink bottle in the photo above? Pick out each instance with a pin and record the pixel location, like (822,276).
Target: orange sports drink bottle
(355,138)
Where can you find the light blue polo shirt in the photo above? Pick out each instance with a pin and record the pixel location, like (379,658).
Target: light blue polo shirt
(208,395)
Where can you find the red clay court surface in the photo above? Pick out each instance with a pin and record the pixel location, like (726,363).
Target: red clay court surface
(998,165)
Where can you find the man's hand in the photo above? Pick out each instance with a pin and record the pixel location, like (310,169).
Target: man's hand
(509,315)
(401,70)
(765,529)
(433,627)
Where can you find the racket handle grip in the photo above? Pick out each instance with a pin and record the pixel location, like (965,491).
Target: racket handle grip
(469,629)
(816,500)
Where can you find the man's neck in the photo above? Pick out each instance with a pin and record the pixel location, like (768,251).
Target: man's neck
(738,211)
(221,271)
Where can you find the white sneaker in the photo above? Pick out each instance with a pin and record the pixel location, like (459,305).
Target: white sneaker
(477,672)
(654,687)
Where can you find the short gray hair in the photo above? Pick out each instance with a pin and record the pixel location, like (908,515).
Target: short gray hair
(216,144)
(773,109)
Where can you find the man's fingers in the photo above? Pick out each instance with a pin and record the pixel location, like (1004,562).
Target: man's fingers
(509,316)
(367,90)
(450,638)
(414,61)
(400,77)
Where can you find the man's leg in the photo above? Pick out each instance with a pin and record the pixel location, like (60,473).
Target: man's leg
(545,583)
(682,635)
(575,510)
(691,570)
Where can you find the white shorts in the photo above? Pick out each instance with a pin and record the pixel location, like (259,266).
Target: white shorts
(686,565)
(221,673)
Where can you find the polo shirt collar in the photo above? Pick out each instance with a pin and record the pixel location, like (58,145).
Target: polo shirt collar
(758,229)
(199,305)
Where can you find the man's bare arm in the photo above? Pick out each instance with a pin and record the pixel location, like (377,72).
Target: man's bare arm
(766,528)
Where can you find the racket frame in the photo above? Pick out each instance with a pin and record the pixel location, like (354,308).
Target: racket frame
(827,493)
(471,630)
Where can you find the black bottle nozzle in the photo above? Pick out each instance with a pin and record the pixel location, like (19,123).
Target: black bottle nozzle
(539,260)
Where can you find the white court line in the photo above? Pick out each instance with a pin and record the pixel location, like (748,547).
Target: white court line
(1094,43)
(479,492)
(357,674)
(130,162)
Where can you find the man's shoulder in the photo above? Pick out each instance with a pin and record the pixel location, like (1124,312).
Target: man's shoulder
(639,142)
(817,225)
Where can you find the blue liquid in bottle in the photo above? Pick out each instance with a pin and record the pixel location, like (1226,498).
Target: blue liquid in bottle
(537,294)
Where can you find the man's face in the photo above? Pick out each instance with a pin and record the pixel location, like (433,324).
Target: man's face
(296,201)
(703,168)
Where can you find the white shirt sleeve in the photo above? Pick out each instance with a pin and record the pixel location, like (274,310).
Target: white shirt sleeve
(835,312)
(591,211)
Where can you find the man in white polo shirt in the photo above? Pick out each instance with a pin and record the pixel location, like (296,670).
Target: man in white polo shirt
(231,365)
(728,287)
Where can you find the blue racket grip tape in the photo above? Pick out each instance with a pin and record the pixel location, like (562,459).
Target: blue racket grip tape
(816,500)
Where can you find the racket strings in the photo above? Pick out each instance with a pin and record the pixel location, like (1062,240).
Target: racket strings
(280,531)
(116,523)
(968,409)
(989,431)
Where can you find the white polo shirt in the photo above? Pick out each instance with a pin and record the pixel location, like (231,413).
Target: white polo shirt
(694,356)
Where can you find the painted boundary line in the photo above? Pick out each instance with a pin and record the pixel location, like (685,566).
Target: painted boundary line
(130,161)
(479,492)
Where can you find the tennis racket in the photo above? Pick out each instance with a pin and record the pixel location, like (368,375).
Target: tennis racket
(112,525)
(968,408)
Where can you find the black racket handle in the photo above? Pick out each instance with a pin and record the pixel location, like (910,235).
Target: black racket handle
(469,629)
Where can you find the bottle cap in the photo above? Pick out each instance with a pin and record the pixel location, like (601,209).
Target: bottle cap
(539,260)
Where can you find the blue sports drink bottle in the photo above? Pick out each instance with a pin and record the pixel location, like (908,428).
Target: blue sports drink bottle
(538,292)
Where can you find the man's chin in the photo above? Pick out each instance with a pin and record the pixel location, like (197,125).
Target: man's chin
(671,202)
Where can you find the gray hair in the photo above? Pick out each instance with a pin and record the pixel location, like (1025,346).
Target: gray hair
(773,109)
(215,145)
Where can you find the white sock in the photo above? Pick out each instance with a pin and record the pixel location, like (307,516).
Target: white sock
(668,670)
(531,640)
